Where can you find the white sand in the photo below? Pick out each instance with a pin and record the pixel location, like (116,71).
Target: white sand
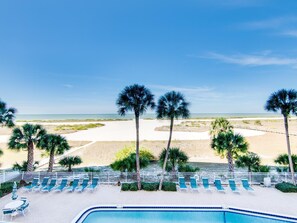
(125,131)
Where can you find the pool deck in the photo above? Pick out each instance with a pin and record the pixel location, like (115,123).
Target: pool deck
(63,207)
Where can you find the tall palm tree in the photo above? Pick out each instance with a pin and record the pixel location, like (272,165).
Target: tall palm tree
(285,102)
(27,137)
(220,125)
(229,145)
(7,115)
(171,105)
(70,161)
(138,99)
(54,145)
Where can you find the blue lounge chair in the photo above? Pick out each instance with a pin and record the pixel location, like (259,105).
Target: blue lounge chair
(246,185)
(8,212)
(32,185)
(62,185)
(205,184)
(193,183)
(182,183)
(94,184)
(83,186)
(74,185)
(51,185)
(42,185)
(23,208)
(233,186)
(218,185)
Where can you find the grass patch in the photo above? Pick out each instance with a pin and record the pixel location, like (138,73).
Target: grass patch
(78,127)
(286,187)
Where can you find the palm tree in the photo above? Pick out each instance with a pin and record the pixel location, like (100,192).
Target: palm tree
(283,159)
(229,145)
(171,105)
(284,101)
(138,99)
(27,137)
(176,157)
(220,125)
(7,115)
(70,161)
(54,145)
(250,160)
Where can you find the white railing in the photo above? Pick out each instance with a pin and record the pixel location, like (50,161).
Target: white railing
(112,178)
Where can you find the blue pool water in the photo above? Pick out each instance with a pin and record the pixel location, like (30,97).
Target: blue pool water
(177,216)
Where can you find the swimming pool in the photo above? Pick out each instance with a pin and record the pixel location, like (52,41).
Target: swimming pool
(177,215)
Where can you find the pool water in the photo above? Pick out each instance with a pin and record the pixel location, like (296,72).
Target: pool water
(175,216)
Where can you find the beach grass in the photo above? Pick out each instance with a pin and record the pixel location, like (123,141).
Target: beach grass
(78,127)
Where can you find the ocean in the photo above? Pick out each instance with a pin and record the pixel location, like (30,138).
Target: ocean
(20,117)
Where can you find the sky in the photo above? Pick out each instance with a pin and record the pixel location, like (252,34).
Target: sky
(72,57)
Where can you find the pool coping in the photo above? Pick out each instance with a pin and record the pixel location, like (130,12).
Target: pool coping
(83,214)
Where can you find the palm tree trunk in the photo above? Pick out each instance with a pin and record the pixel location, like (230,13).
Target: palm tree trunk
(230,162)
(289,149)
(30,158)
(167,154)
(137,153)
(51,161)
(69,168)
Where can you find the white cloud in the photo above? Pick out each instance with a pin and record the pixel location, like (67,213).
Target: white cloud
(273,23)
(263,59)
(68,85)
(292,33)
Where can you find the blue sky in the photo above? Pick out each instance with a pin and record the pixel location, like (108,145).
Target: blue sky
(59,56)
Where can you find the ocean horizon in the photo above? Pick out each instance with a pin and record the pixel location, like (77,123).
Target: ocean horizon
(113,116)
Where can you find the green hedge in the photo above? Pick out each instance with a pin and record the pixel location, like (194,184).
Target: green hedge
(167,186)
(6,188)
(286,187)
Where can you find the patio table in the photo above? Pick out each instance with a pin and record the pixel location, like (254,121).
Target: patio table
(14,205)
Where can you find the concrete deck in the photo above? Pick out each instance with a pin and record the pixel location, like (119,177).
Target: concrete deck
(63,207)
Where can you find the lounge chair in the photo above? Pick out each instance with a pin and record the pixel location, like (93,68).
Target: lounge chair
(94,184)
(182,183)
(246,185)
(218,185)
(233,186)
(8,212)
(51,185)
(193,183)
(23,208)
(74,185)
(32,185)
(42,185)
(205,184)
(83,186)
(62,185)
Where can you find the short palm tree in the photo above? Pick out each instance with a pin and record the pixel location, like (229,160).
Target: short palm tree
(7,115)
(53,145)
(172,105)
(70,161)
(176,157)
(283,159)
(220,125)
(249,160)
(138,99)
(27,137)
(285,102)
(229,145)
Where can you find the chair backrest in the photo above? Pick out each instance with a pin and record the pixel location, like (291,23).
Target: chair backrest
(35,182)
(218,183)
(245,183)
(193,182)
(85,182)
(7,211)
(75,182)
(95,181)
(63,182)
(205,182)
(44,181)
(182,181)
(232,183)
(53,182)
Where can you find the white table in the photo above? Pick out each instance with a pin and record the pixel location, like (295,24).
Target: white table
(14,205)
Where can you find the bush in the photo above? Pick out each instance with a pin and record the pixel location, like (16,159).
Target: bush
(150,186)
(188,168)
(169,186)
(133,187)
(125,187)
(286,187)
(6,188)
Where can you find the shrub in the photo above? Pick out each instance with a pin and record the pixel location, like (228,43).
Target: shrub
(187,168)
(169,186)
(133,187)
(286,187)
(176,157)
(91,169)
(125,187)
(150,186)
(258,122)
(6,188)
(263,169)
